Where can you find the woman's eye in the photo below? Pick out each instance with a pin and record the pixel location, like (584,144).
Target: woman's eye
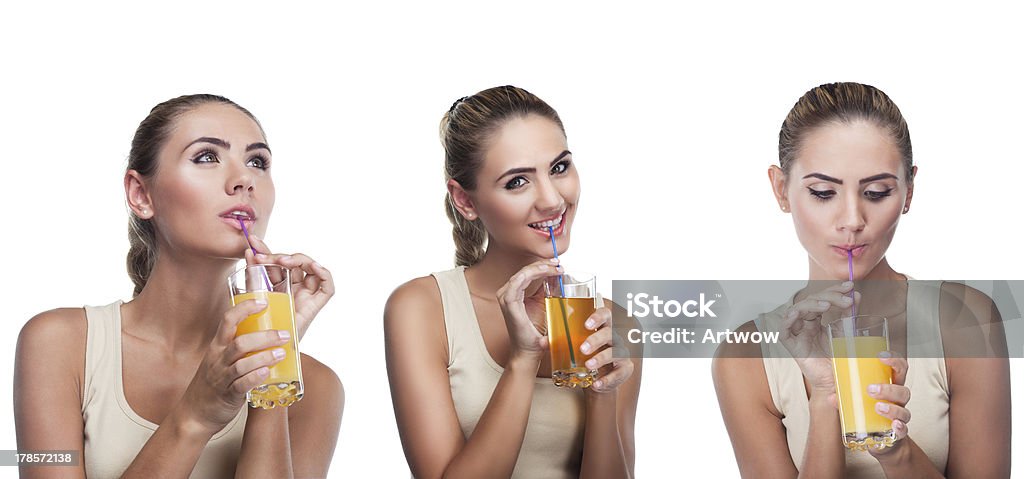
(560,167)
(205,157)
(877,195)
(259,162)
(515,183)
(822,194)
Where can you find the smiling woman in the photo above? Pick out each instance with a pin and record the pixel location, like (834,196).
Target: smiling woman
(466,352)
(157,386)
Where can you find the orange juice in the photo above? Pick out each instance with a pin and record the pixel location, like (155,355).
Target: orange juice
(571,312)
(283,386)
(856,365)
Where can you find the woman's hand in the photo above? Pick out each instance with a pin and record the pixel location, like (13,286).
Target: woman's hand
(805,336)
(897,395)
(218,388)
(525,338)
(312,284)
(612,372)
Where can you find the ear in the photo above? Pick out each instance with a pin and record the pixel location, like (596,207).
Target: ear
(778,181)
(910,191)
(462,200)
(137,194)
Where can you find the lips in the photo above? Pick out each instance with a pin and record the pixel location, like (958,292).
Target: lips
(237,213)
(848,249)
(555,223)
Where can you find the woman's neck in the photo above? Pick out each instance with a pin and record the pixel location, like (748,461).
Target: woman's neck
(498,264)
(182,303)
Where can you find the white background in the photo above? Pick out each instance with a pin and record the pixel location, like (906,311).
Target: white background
(672,116)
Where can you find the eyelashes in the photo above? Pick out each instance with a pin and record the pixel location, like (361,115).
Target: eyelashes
(874,196)
(209,156)
(559,168)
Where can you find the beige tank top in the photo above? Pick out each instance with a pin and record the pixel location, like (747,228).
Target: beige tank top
(553,445)
(926,378)
(114,433)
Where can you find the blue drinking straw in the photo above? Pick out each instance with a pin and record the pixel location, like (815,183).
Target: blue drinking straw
(561,302)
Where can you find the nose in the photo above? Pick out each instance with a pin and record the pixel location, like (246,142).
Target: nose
(549,199)
(240,180)
(851,217)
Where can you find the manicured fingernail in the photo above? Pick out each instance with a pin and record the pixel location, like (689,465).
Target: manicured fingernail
(592,363)
(261,256)
(882,407)
(263,372)
(874,389)
(847,300)
(585,348)
(898,425)
(261,302)
(847,284)
(317,265)
(589,324)
(283,334)
(823,304)
(278,353)
(885,355)
(553,260)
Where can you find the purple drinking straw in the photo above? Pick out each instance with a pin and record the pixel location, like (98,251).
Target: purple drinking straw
(849,261)
(266,279)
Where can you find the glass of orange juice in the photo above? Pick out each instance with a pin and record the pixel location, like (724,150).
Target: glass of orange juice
(856,343)
(271,283)
(569,301)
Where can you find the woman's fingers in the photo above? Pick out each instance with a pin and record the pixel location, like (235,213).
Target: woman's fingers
(262,359)
(596,341)
(899,366)
(514,290)
(256,341)
(235,315)
(601,317)
(621,370)
(894,393)
(892,411)
(252,379)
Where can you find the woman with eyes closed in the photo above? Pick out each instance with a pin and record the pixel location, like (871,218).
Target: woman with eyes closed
(155,387)
(469,367)
(846,176)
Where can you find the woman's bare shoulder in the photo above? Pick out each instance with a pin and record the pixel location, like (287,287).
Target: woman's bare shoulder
(418,296)
(56,333)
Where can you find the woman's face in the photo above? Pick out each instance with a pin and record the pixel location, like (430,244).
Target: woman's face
(846,189)
(213,168)
(527,183)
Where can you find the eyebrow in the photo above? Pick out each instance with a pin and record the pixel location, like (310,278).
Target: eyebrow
(516,171)
(880,176)
(223,144)
(211,140)
(258,146)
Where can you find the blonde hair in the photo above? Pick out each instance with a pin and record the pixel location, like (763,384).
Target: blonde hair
(466,130)
(843,103)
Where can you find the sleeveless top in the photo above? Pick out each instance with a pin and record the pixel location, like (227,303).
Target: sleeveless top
(926,378)
(114,433)
(553,444)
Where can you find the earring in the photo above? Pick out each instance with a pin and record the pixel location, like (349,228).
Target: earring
(906,209)
(785,208)
(470,216)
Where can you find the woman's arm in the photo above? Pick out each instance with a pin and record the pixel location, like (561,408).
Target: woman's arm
(297,441)
(417,356)
(755,425)
(609,449)
(49,370)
